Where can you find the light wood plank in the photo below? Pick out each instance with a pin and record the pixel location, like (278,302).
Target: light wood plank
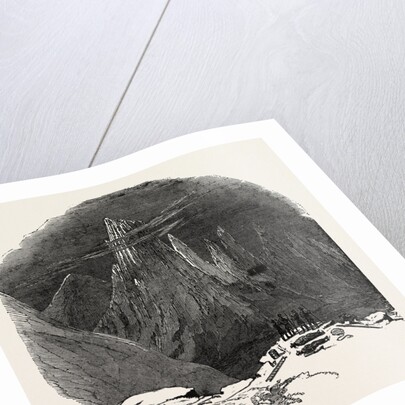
(63,68)
(330,72)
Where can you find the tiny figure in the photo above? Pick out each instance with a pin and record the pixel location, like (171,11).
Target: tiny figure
(303,340)
(299,322)
(287,325)
(279,329)
(308,316)
(313,347)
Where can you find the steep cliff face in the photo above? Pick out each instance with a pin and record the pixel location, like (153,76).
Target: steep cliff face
(74,242)
(80,302)
(217,313)
(97,369)
(232,255)
(165,303)
(221,273)
(198,279)
(315,268)
(242,258)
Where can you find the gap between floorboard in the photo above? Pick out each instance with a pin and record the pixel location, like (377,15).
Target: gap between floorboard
(129,84)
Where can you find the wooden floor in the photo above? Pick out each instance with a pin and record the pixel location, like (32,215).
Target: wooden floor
(85,82)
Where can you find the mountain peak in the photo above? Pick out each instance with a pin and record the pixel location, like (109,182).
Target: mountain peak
(123,235)
(120,227)
(176,319)
(79,302)
(243,259)
(214,270)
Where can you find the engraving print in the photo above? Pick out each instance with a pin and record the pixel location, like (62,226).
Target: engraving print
(197,290)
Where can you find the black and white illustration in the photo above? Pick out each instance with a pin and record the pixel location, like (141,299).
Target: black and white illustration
(199,290)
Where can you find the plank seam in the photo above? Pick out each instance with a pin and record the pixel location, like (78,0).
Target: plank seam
(128,84)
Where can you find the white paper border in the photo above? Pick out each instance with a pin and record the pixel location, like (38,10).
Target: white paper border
(349,218)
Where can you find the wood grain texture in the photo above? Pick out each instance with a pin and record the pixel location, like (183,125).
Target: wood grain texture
(63,68)
(330,72)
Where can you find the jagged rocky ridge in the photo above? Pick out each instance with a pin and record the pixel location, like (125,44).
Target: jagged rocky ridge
(72,243)
(216,313)
(183,310)
(182,285)
(80,302)
(100,369)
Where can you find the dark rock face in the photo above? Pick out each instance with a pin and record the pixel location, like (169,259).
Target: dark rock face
(164,303)
(173,301)
(194,269)
(99,369)
(72,243)
(80,302)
